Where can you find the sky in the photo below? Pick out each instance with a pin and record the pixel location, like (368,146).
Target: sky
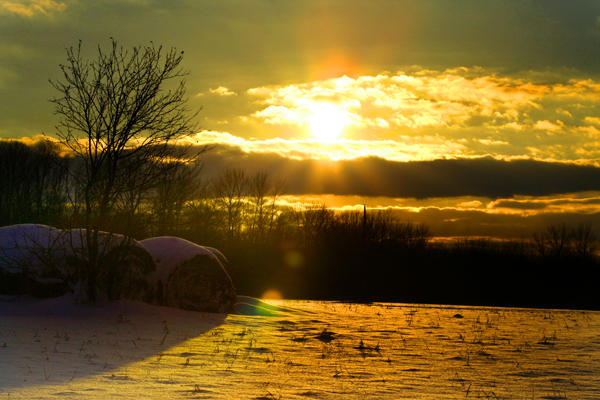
(470,111)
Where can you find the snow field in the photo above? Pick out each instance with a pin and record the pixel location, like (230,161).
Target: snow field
(304,350)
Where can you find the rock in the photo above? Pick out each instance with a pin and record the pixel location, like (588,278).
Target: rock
(188,276)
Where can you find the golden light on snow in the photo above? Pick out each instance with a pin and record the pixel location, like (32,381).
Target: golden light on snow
(131,350)
(326,121)
(272,294)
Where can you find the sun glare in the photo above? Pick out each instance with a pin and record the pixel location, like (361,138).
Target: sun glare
(326,121)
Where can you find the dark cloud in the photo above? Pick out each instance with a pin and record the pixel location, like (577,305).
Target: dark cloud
(521,205)
(453,222)
(542,204)
(373,176)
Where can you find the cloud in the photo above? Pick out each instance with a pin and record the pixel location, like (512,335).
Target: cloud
(30,8)
(548,126)
(404,148)
(518,204)
(426,98)
(592,120)
(589,203)
(472,104)
(470,204)
(372,176)
(492,142)
(463,217)
(222,91)
(454,222)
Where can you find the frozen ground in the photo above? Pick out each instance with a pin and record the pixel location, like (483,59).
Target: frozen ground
(310,350)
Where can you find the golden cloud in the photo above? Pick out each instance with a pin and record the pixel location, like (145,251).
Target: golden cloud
(578,203)
(428,98)
(404,148)
(582,203)
(222,91)
(592,120)
(548,126)
(476,112)
(29,8)
(492,142)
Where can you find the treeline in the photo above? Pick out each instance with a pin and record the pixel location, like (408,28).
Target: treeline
(311,252)
(33,181)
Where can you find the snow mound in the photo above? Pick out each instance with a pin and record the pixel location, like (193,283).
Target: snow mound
(35,246)
(44,261)
(32,260)
(77,240)
(188,276)
(169,252)
(28,246)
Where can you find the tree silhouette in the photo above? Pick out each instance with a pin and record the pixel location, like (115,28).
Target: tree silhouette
(114,109)
(230,189)
(118,112)
(33,182)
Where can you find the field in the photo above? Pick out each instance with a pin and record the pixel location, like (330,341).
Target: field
(287,349)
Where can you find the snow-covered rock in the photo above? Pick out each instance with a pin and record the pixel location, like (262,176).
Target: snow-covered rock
(188,276)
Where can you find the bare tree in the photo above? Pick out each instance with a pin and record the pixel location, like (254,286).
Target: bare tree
(258,190)
(314,221)
(33,182)
(584,240)
(179,185)
(116,112)
(262,196)
(230,189)
(554,241)
(272,211)
(116,108)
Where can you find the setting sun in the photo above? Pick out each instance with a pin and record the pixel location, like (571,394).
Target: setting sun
(327,121)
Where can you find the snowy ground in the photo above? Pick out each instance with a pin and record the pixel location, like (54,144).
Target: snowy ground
(310,350)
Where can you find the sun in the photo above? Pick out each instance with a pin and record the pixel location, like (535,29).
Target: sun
(326,121)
